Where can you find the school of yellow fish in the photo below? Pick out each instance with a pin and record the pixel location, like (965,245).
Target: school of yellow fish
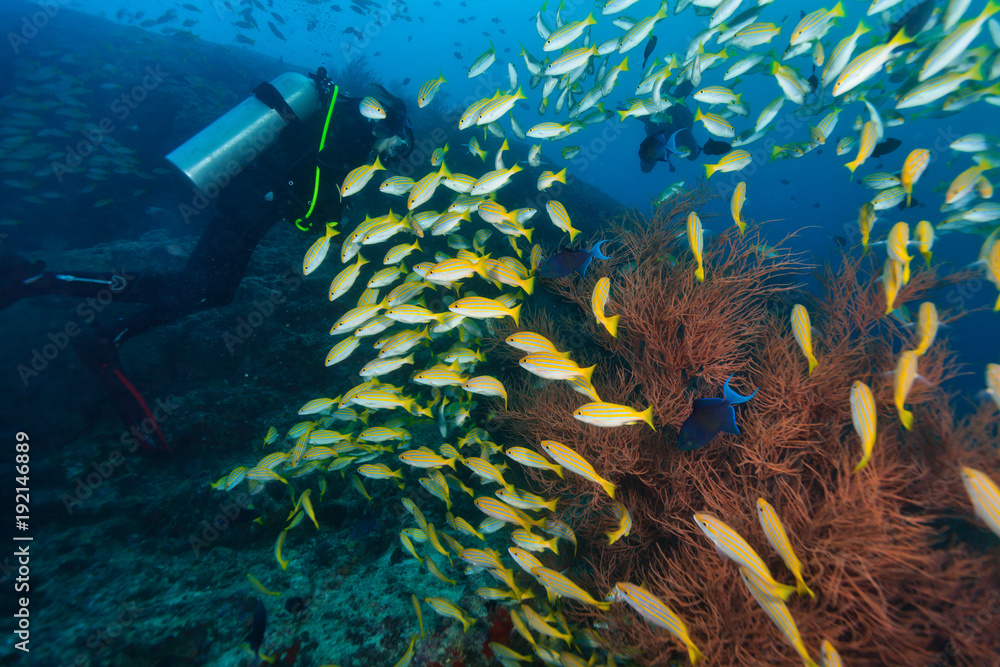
(364,431)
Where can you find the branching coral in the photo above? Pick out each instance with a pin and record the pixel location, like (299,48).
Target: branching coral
(892,551)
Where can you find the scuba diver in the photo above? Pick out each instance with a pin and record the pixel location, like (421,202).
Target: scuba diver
(278,155)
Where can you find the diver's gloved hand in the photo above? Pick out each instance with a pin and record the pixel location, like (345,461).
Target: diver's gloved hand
(16,277)
(99,354)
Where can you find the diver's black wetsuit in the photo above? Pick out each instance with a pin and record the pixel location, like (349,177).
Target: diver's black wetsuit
(214,269)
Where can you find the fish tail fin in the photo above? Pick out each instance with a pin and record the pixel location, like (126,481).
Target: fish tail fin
(557,469)
(554,545)
(516,314)
(801,588)
(647,416)
(863,463)
(813,363)
(694,655)
(573,233)
(838,10)
(529,285)
(609,488)
(906,417)
(611,324)
(711,169)
(781,590)
(467,623)
(699,273)
(742,226)
(588,372)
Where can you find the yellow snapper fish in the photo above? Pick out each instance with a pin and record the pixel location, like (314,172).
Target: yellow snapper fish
(899,238)
(802,330)
(985,497)
(560,218)
(561,586)
(429,90)
(924,234)
(547,178)
(532,459)
(812,26)
(553,367)
(478,307)
(869,137)
(448,609)
(659,614)
(731,161)
(598,302)
(695,241)
(624,524)
(317,251)
(913,168)
(570,460)
(993,382)
(736,206)
(866,220)
(953,45)
(927,327)
(607,415)
(905,376)
(830,656)
(483,62)
(868,64)
(778,538)
(892,282)
(777,610)
(359,177)
(731,544)
(841,55)
(864,416)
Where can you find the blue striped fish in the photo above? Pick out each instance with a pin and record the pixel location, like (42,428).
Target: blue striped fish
(778,538)
(864,415)
(732,545)
(779,614)
(802,330)
(985,497)
(570,460)
(560,585)
(659,614)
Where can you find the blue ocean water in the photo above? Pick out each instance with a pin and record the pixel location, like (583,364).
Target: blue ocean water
(159,72)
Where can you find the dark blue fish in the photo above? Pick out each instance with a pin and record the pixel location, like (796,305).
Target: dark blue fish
(715,147)
(709,417)
(256,636)
(567,262)
(367,525)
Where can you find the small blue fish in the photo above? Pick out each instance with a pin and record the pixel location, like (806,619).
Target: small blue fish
(567,262)
(709,417)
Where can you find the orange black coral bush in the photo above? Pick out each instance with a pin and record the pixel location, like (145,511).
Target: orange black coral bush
(902,573)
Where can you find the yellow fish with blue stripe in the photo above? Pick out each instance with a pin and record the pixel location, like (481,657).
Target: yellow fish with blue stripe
(905,376)
(478,307)
(802,330)
(696,242)
(659,614)
(570,460)
(358,178)
(448,609)
(778,538)
(560,218)
(777,610)
(598,302)
(732,545)
(317,251)
(560,585)
(985,497)
(864,416)
(607,415)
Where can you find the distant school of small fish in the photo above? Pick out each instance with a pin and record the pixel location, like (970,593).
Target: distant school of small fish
(929,52)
